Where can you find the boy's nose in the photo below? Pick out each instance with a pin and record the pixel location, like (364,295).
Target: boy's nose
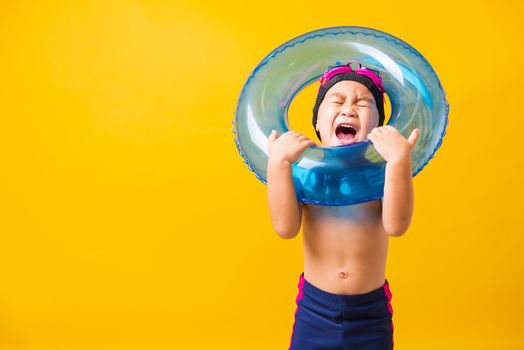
(348,111)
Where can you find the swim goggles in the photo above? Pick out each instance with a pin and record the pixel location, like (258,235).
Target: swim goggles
(345,69)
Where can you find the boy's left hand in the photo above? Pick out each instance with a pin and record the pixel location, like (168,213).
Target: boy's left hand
(390,143)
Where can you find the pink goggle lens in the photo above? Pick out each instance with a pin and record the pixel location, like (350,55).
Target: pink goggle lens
(370,73)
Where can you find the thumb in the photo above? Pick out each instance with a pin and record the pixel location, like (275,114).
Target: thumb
(413,138)
(273,135)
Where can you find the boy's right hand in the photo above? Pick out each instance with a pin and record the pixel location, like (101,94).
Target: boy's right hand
(288,147)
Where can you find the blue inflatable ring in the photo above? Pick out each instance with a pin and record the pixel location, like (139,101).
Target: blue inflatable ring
(346,174)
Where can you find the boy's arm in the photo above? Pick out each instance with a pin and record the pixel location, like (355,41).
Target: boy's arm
(284,209)
(398,202)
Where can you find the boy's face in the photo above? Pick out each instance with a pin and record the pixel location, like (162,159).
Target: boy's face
(347,114)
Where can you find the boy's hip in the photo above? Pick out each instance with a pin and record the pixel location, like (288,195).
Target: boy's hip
(374,303)
(326,320)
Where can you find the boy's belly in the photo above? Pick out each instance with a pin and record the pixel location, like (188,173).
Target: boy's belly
(345,248)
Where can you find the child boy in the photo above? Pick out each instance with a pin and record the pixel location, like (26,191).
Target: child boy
(344,297)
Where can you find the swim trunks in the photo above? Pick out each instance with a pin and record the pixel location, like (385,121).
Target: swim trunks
(326,321)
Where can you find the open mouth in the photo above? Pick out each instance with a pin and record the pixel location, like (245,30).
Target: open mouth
(346,133)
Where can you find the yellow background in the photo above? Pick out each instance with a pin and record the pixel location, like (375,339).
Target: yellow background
(128,219)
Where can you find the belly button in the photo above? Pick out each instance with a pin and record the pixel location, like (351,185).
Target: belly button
(343,275)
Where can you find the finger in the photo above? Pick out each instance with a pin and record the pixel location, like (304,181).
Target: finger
(376,133)
(303,137)
(309,142)
(304,145)
(389,129)
(413,138)
(273,135)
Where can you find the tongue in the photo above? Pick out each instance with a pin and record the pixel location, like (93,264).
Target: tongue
(345,136)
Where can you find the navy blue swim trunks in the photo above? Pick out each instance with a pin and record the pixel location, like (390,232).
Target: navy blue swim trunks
(326,321)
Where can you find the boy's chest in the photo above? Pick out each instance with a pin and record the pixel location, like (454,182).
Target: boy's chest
(362,213)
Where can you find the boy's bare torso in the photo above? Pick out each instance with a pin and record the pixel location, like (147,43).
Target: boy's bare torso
(345,247)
